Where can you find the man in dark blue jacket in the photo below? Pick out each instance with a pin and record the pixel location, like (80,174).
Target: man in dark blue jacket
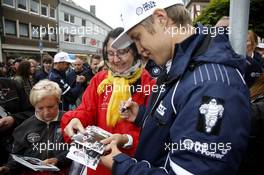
(199,120)
(82,72)
(57,74)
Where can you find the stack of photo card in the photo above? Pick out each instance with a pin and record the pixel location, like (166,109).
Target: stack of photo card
(87,147)
(34,163)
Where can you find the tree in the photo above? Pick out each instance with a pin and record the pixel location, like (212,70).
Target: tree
(218,8)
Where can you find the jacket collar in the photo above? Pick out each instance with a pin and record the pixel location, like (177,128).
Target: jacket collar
(183,53)
(56,119)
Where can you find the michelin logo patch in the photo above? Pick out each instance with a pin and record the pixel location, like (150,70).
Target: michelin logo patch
(210,115)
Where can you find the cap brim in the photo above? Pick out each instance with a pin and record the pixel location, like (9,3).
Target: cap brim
(122,41)
(70,61)
(260,45)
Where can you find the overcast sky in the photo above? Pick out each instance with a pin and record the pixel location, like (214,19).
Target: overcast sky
(106,10)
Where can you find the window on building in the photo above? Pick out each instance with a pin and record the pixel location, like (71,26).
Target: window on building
(72,38)
(35,31)
(71,19)
(9,3)
(10,27)
(44,10)
(34,6)
(66,37)
(44,33)
(83,40)
(52,12)
(66,17)
(22,4)
(83,22)
(23,30)
(69,38)
(53,37)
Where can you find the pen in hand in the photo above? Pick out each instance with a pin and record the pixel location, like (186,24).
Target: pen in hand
(124,107)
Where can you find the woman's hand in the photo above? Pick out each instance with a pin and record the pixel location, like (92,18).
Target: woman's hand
(51,161)
(74,125)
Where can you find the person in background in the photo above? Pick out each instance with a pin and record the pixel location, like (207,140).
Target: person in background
(81,71)
(94,62)
(3,70)
(223,22)
(23,75)
(61,64)
(33,70)
(255,64)
(43,73)
(260,49)
(106,92)
(254,158)
(42,128)
(14,109)
(13,66)
(102,66)
(199,122)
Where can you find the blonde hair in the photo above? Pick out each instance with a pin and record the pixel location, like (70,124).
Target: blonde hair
(44,88)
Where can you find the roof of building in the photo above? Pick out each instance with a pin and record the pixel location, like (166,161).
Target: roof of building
(71,4)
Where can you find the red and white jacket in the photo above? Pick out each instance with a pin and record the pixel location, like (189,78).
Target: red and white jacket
(93,109)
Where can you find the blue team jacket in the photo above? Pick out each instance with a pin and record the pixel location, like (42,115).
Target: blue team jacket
(199,122)
(69,94)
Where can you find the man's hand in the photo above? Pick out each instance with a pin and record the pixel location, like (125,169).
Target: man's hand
(51,161)
(80,78)
(74,125)
(107,160)
(120,139)
(129,110)
(6,123)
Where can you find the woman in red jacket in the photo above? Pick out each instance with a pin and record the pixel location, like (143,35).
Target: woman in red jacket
(126,78)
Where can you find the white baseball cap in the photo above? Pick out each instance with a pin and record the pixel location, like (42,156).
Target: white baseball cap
(63,57)
(261,45)
(135,11)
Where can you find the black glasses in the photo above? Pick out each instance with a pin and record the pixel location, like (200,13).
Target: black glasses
(121,53)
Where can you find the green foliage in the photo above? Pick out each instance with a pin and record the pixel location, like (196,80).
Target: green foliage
(218,8)
(213,12)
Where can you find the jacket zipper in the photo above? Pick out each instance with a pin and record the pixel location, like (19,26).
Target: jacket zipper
(47,146)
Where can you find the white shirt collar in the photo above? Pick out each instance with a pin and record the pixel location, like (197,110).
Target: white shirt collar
(168,65)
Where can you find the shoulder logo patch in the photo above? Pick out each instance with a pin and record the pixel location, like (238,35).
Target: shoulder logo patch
(210,115)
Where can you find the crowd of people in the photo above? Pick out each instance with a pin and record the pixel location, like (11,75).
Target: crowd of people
(204,114)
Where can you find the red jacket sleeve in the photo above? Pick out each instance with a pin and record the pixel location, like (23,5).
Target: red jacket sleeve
(86,112)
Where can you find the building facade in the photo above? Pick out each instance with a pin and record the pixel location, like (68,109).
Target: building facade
(23,28)
(195,7)
(80,31)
